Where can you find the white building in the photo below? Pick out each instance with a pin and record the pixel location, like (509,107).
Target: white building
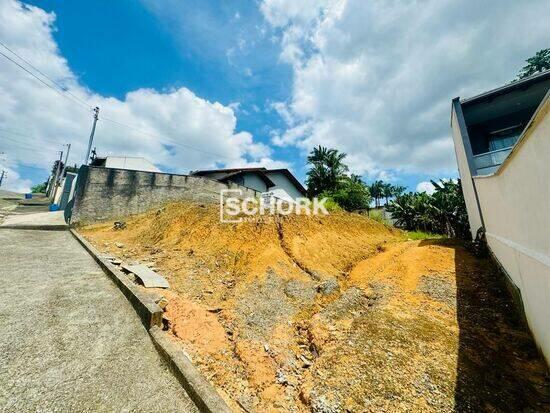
(280,182)
(502,144)
(125,162)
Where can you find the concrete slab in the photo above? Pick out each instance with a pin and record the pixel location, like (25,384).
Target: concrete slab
(148,277)
(40,220)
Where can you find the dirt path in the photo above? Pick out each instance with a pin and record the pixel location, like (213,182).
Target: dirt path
(335,314)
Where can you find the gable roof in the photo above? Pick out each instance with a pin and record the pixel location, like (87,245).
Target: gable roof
(264,173)
(515,85)
(261,173)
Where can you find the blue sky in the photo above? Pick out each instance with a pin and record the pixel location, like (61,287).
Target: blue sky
(114,59)
(255,82)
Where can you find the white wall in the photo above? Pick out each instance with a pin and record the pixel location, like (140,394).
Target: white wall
(133,164)
(515,203)
(465,175)
(284,188)
(253,181)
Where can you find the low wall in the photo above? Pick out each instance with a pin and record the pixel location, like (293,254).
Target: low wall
(108,193)
(515,202)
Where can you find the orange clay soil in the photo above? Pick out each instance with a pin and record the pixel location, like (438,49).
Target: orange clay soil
(335,313)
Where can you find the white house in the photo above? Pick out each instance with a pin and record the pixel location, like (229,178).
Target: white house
(280,182)
(125,162)
(502,145)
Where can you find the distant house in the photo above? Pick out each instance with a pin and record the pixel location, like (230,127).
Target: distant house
(125,162)
(502,145)
(280,182)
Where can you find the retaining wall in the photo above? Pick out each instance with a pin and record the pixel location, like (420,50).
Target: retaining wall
(109,193)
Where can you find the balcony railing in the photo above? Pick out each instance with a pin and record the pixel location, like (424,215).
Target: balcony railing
(487,163)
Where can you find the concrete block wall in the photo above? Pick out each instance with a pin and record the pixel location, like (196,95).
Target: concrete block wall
(108,193)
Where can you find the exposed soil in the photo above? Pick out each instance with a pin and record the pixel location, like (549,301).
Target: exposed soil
(334,314)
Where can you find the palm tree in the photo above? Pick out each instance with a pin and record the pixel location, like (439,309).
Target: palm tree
(387,191)
(398,190)
(327,171)
(377,191)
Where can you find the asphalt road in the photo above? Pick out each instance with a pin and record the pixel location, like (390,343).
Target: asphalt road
(69,340)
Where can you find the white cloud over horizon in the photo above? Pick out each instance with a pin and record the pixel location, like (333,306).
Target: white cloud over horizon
(375,79)
(35,120)
(425,186)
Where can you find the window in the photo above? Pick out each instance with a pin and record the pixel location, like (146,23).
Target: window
(504,138)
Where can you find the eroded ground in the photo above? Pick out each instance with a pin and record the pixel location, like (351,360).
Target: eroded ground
(334,314)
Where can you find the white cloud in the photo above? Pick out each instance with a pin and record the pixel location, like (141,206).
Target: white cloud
(375,79)
(35,120)
(425,187)
(12,180)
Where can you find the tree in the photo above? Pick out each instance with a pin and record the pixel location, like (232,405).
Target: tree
(443,212)
(536,64)
(327,171)
(387,191)
(55,164)
(377,192)
(449,209)
(352,195)
(398,190)
(39,188)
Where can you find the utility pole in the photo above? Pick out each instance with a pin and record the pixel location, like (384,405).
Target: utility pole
(57,170)
(2,176)
(96,116)
(68,145)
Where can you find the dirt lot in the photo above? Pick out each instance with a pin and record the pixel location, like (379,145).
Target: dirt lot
(334,314)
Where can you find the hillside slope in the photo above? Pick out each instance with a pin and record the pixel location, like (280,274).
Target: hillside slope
(332,313)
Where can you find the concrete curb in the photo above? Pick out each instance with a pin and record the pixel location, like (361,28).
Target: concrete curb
(149,311)
(37,227)
(199,389)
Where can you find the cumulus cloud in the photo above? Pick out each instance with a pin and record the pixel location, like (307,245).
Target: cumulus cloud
(175,129)
(425,187)
(375,79)
(12,180)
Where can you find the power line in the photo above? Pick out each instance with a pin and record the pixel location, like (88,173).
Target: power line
(167,140)
(43,82)
(17,141)
(67,94)
(60,86)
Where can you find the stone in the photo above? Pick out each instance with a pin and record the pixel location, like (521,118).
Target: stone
(119,244)
(119,225)
(162,302)
(328,286)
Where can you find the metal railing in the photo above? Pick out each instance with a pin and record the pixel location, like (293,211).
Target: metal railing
(488,162)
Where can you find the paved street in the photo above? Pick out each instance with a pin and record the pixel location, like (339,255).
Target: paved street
(69,339)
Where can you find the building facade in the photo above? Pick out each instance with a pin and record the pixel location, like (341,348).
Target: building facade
(502,145)
(280,182)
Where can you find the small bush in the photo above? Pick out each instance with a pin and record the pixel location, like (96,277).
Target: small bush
(39,188)
(378,216)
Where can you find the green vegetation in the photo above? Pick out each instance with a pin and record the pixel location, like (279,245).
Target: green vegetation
(39,188)
(421,235)
(328,178)
(378,216)
(444,212)
(382,190)
(327,171)
(536,64)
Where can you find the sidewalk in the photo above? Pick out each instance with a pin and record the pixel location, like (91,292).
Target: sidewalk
(40,220)
(70,340)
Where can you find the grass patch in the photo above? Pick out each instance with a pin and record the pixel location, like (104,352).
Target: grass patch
(420,235)
(378,216)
